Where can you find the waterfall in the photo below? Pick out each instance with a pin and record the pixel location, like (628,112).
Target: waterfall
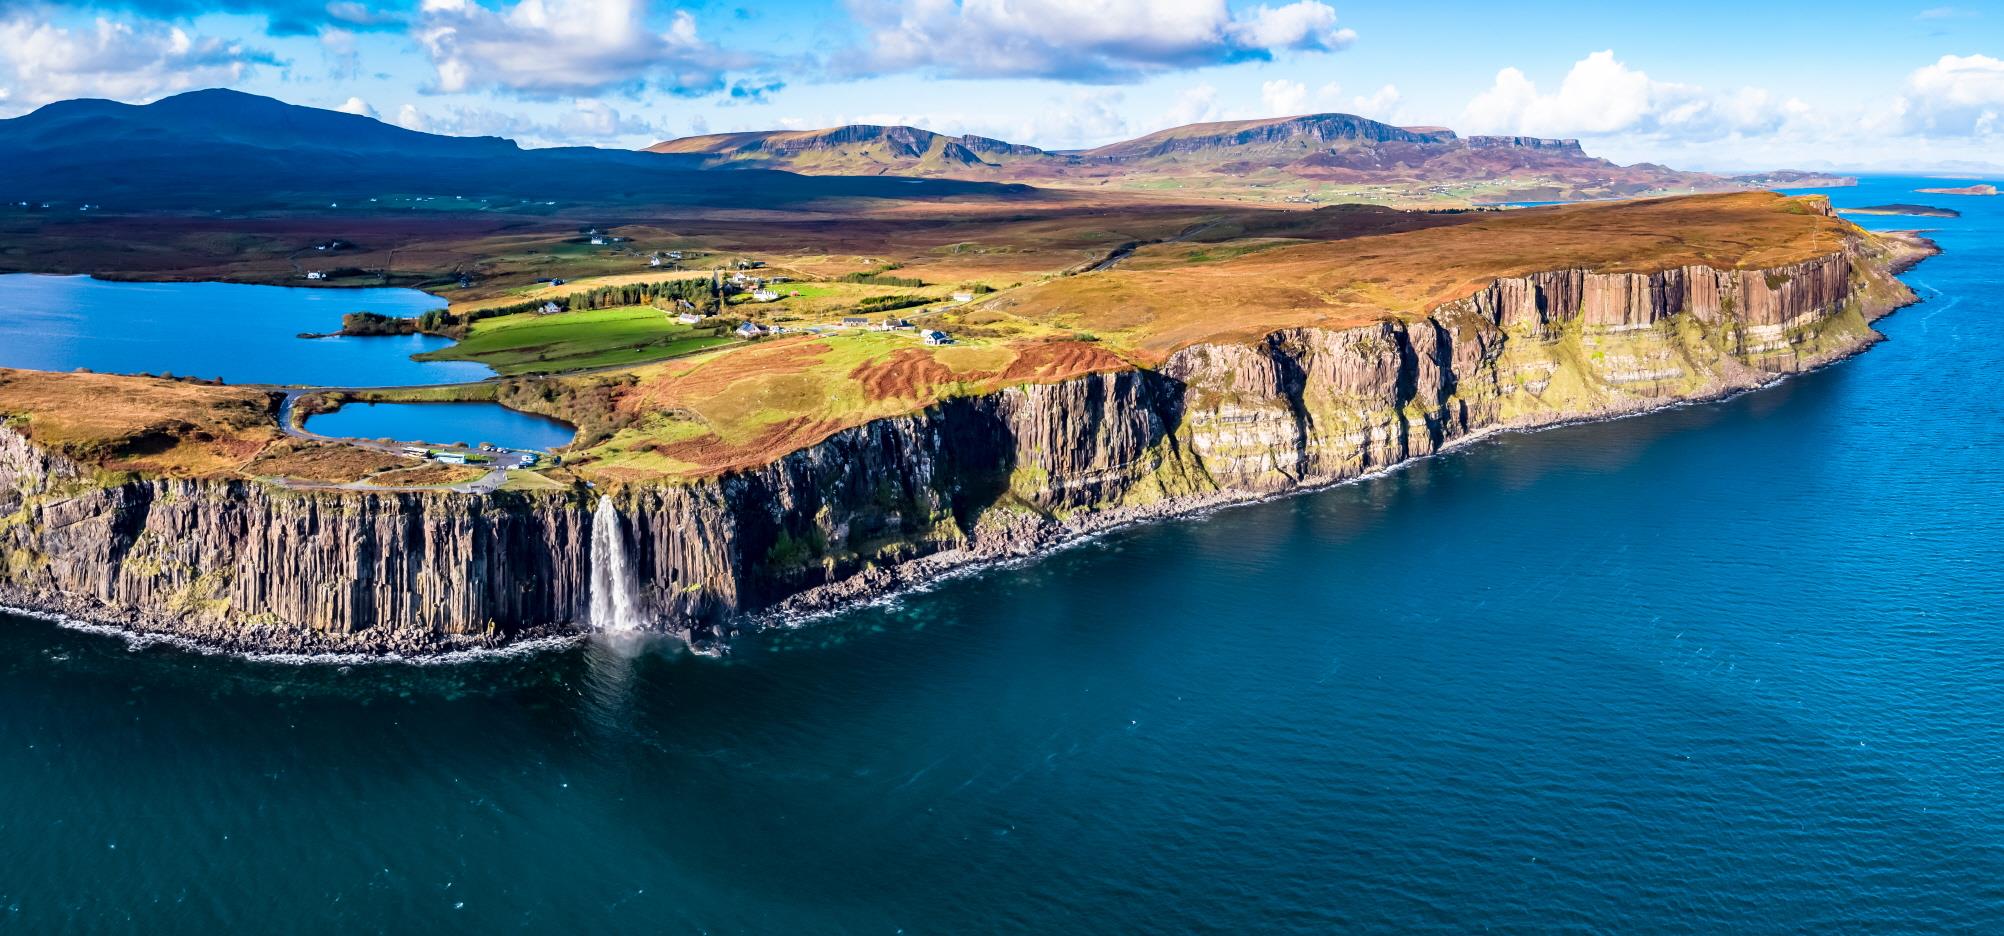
(615,600)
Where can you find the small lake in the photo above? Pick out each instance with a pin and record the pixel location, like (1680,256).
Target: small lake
(471,423)
(241,333)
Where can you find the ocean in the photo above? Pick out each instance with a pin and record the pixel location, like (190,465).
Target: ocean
(1728,667)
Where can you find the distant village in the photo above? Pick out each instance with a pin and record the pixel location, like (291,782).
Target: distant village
(738,282)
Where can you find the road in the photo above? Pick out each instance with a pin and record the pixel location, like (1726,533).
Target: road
(1126,250)
(485,484)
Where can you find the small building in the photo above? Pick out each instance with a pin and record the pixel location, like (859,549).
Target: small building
(764,295)
(416,452)
(936,338)
(893,324)
(963,297)
(550,308)
(315,275)
(748,330)
(453,458)
(855,321)
(598,242)
(688,318)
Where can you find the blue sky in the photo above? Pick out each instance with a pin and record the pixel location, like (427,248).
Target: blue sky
(1697,85)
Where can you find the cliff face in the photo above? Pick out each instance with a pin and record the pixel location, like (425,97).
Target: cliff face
(250,566)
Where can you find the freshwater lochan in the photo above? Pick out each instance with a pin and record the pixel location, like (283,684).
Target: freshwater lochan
(1734,667)
(241,333)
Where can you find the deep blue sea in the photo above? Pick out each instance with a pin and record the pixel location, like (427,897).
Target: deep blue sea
(443,423)
(241,333)
(1727,668)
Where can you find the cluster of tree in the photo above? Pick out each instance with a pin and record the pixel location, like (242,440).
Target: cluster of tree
(887,303)
(880,279)
(375,323)
(705,294)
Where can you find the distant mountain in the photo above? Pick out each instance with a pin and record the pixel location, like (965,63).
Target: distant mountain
(225,150)
(857,149)
(1316,157)
(1795,179)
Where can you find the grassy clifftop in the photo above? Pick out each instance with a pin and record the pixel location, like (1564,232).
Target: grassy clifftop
(743,404)
(1173,295)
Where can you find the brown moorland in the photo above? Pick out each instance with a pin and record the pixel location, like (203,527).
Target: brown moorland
(1236,277)
(1169,296)
(142,424)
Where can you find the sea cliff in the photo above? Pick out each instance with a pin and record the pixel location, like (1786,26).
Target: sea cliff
(249,566)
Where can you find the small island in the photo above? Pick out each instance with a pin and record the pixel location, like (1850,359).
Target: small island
(1981,189)
(1916,211)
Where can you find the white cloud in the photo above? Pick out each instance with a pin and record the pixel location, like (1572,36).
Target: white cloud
(1382,104)
(125,61)
(588,121)
(1302,25)
(358,107)
(548,48)
(1103,41)
(1283,98)
(342,52)
(597,121)
(1080,118)
(1195,104)
(1600,95)
(1957,95)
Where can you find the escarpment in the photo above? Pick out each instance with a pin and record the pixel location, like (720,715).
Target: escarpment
(250,566)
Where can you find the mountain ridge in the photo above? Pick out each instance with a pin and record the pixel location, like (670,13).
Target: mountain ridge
(1259,159)
(222,150)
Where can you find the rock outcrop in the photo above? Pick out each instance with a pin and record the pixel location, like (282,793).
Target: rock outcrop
(250,566)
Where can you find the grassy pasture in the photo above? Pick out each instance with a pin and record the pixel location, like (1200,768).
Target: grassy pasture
(528,343)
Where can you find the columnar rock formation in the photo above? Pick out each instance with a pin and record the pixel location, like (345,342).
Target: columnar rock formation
(253,567)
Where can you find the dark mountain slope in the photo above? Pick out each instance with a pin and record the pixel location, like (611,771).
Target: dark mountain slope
(228,151)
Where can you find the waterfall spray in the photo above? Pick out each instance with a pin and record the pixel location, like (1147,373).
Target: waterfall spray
(615,601)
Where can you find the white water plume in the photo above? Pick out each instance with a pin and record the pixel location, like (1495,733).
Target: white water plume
(615,598)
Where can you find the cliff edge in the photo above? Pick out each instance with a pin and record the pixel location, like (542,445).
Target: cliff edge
(250,566)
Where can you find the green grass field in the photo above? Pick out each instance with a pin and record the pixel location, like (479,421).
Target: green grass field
(527,343)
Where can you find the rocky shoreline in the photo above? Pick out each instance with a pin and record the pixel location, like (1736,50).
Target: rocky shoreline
(1034,540)
(900,503)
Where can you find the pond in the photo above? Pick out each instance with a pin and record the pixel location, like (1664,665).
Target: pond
(241,333)
(441,423)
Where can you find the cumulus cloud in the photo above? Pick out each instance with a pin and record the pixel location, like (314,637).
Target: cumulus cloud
(1957,95)
(1600,95)
(554,48)
(1098,41)
(1195,104)
(1283,98)
(282,17)
(1382,104)
(357,106)
(137,61)
(588,121)
(1078,118)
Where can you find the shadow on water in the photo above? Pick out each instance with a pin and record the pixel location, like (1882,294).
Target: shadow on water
(1730,667)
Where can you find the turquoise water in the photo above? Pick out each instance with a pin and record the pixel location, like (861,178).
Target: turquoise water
(442,423)
(1727,668)
(241,333)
